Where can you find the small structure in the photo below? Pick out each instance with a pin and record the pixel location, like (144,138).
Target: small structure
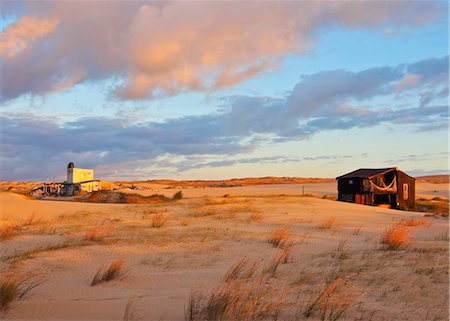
(79,180)
(378,186)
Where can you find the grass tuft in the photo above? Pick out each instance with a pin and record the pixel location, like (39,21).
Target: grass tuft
(14,286)
(330,303)
(114,271)
(241,300)
(395,237)
(8,230)
(414,222)
(328,223)
(240,270)
(279,237)
(357,229)
(159,220)
(97,234)
(281,258)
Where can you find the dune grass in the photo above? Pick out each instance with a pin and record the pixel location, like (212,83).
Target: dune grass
(244,299)
(97,234)
(279,237)
(331,302)
(395,237)
(327,223)
(159,220)
(114,271)
(8,230)
(242,269)
(14,286)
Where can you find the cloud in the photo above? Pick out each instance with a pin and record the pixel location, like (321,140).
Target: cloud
(21,34)
(157,49)
(327,100)
(408,82)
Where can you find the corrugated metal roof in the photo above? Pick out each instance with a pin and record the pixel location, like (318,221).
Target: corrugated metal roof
(367,172)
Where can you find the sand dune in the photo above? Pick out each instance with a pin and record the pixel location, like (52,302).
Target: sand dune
(203,235)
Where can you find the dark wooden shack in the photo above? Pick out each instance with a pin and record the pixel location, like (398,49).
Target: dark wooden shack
(376,186)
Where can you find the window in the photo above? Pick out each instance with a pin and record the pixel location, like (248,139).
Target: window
(405,191)
(350,182)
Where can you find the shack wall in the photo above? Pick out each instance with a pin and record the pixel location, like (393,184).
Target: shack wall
(406,191)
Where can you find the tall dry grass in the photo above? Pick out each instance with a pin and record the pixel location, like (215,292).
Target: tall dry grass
(159,220)
(413,222)
(328,223)
(8,230)
(282,258)
(395,237)
(114,271)
(14,286)
(279,237)
(97,234)
(243,299)
(242,269)
(330,302)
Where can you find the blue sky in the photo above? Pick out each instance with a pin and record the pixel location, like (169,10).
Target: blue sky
(316,89)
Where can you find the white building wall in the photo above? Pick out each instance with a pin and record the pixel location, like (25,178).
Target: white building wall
(77,175)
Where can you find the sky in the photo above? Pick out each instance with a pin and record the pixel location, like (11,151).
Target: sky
(143,90)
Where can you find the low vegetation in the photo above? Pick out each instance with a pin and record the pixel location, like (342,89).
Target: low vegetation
(14,286)
(242,269)
(244,299)
(327,223)
(97,234)
(8,230)
(412,222)
(159,220)
(279,237)
(114,271)
(330,303)
(395,237)
(435,206)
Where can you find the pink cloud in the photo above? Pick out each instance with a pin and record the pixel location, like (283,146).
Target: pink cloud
(408,82)
(160,49)
(21,34)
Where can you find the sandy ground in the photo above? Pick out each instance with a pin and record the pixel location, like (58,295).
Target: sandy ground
(204,235)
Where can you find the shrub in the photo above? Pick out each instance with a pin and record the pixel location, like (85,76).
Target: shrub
(159,220)
(112,272)
(15,286)
(395,237)
(279,237)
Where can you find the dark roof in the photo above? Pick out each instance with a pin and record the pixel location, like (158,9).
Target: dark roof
(368,172)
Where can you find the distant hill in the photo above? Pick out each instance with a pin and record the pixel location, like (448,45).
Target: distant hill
(242,181)
(437,179)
